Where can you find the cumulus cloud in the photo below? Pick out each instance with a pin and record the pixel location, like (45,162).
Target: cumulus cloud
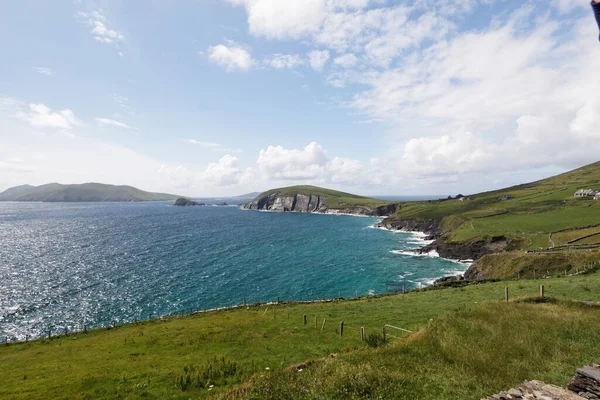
(283,19)
(224,172)
(318,59)
(310,163)
(41,116)
(232,57)
(112,122)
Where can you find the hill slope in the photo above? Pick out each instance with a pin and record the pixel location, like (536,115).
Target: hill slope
(86,192)
(542,216)
(320,200)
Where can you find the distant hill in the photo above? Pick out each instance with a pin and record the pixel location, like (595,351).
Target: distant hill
(86,192)
(314,199)
(246,196)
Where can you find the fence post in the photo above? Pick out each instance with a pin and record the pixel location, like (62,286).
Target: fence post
(84,328)
(541,290)
(403,289)
(49,332)
(6,340)
(323,326)
(362,333)
(384,335)
(342,328)
(506,294)
(277,299)
(315,322)
(26,338)
(66,334)
(356,293)
(244,302)
(304,319)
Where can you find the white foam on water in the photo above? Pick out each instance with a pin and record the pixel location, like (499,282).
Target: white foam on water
(412,253)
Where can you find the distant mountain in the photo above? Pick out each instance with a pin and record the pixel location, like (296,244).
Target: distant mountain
(86,192)
(246,196)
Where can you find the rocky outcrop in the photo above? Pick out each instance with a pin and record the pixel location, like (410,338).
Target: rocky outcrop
(182,202)
(584,386)
(536,390)
(308,203)
(586,382)
(430,227)
(468,251)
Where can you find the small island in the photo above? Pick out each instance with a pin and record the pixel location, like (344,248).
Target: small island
(183,202)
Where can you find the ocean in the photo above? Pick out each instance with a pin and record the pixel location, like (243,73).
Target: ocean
(66,265)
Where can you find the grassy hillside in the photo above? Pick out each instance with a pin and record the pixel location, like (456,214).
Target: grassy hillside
(475,345)
(91,192)
(333,198)
(536,216)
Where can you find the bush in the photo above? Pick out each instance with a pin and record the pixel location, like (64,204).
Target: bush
(375,340)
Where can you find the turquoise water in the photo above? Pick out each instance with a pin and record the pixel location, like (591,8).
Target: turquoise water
(63,265)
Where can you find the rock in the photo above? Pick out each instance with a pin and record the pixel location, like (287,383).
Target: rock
(430,227)
(586,382)
(536,390)
(182,201)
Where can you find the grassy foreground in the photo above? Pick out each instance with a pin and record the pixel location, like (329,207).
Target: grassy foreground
(475,345)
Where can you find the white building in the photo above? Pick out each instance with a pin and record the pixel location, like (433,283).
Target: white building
(585,193)
(597,196)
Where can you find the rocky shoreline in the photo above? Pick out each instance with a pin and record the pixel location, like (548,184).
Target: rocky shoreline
(448,250)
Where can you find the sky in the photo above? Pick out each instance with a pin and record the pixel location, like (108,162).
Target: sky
(224,97)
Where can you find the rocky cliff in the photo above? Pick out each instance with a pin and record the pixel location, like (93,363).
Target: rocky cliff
(309,203)
(454,251)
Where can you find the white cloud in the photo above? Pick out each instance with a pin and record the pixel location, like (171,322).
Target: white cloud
(98,28)
(283,19)
(279,61)
(224,172)
(112,122)
(309,164)
(347,60)
(232,58)
(41,116)
(44,71)
(318,59)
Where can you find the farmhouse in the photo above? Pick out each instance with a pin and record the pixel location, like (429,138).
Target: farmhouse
(585,193)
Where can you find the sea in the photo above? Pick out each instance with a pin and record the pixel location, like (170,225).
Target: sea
(66,266)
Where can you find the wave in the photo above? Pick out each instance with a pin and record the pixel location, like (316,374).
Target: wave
(432,253)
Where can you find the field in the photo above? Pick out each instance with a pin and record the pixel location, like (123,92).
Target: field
(181,357)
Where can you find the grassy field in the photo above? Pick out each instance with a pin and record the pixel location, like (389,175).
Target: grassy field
(333,198)
(529,211)
(470,339)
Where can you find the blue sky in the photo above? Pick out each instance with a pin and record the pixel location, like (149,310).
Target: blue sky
(220,97)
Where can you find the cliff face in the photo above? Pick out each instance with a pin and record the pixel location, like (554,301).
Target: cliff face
(308,203)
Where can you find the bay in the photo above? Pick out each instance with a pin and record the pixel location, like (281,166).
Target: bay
(63,265)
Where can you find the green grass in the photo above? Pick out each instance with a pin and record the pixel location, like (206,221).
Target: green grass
(468,354)
(528,265)
(157,359)
(333,198)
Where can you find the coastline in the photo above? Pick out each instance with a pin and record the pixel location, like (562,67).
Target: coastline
(426,239)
